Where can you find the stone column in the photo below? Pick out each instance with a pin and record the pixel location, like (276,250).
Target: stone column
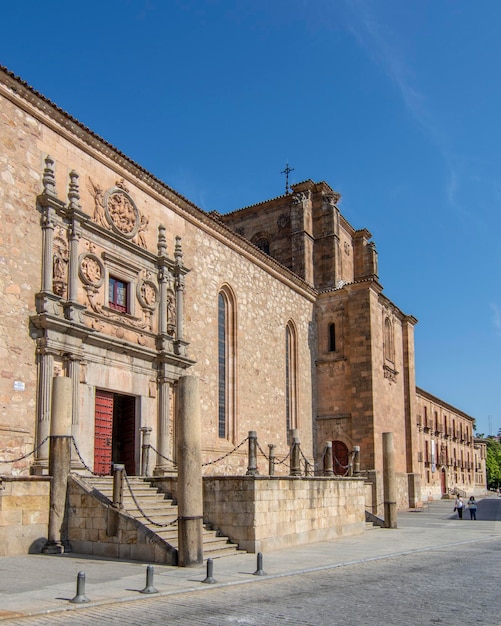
(73,365)
(47,244)
(189,460)
(389,482)
(45,372)
(59,463)
(163,424)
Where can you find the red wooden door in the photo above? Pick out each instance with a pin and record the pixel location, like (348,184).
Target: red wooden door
(103,432)
(340,458)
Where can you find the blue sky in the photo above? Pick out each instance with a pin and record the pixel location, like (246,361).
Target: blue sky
(395,104)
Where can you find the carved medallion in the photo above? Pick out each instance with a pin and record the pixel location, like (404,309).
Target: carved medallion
(147,294)
(91,270)
(121,211)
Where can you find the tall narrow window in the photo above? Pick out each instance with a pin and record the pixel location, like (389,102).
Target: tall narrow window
(290,378)
(389,347)
(332,337)
(226,364)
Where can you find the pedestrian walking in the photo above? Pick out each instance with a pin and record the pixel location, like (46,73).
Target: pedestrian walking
(459,506)
(472,507)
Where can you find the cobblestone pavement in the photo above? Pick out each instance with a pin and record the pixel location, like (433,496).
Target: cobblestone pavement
(454,586)
(432,569)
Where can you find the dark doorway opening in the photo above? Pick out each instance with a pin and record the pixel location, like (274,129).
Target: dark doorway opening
(115,432)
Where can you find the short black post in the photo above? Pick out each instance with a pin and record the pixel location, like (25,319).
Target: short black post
(210,580)
(80,598)
(260,571)
(149,581)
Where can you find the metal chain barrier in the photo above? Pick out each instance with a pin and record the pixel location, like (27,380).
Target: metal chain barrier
(307,464)
(139,508)
(227,454)
(161,455)
(345,467)
(25,456)
(81,458)
(275,462)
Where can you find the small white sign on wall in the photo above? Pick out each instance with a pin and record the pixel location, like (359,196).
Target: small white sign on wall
(19,385)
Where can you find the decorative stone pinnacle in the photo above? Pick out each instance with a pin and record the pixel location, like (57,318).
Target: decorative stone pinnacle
(74,191)
(162,241)
(48,179)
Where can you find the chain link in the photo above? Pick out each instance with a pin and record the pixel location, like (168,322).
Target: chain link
(227,454)
(25,456)
(139,508)
(161,455)
(81,459)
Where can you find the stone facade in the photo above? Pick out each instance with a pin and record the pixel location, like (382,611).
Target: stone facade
(111,278)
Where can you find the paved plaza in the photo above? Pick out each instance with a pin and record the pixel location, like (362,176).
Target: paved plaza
(41,585)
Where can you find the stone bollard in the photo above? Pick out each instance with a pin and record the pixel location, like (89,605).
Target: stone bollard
(356,460)
(271,459)
(118,485)
(145,450)
(295,469)
(328,466)
(252,466)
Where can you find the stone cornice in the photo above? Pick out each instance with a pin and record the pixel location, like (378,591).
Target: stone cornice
(45,111)
(442,403)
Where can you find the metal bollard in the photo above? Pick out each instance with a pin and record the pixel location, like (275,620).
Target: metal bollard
(260,571)
(149,581)
(210,580)
(80,598)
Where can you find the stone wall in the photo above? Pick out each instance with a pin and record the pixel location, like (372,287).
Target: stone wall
(270,513)
(96,528)
(24,514)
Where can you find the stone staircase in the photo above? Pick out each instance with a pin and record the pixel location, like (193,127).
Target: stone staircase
(150,505)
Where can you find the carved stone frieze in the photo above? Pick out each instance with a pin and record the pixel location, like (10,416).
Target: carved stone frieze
(301,197)
(390,373)
(115,209)
(331,199)
(147,294)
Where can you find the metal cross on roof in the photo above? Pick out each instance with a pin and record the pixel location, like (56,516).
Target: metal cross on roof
(287,171)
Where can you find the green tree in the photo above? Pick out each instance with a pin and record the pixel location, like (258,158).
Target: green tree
(493,463)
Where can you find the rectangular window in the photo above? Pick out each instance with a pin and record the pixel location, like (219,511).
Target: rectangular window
(117,295)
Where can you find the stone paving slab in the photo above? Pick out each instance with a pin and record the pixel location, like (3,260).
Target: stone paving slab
(40,584)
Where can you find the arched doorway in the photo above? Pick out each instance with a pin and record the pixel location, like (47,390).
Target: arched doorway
(340,458)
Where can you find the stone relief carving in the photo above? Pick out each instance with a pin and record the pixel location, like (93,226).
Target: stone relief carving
(91,270)
(147,294)
(300,197)
(283,221)
(347,248)
(60,260)
(331,199)
(171,313)
(115,209)
(390,373)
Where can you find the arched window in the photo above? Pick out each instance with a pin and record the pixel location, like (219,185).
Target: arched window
(332,337)
(290,378)
(263,244)
(389,345)
(226,350)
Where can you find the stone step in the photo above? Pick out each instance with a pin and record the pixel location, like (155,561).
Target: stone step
(159,508)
